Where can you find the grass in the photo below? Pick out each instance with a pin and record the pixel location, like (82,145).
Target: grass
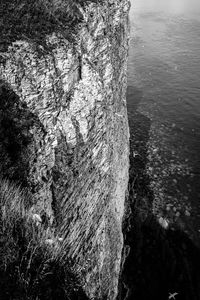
(31,267)
(33,20)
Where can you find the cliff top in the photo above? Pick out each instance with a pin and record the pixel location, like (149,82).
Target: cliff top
(33,20)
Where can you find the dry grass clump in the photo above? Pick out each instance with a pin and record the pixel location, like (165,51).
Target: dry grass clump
(31,265)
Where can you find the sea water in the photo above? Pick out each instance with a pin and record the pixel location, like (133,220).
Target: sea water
(164,105)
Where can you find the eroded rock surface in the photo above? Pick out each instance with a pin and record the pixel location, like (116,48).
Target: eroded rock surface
(67,110)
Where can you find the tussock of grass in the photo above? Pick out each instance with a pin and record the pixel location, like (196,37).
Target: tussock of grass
(31,268)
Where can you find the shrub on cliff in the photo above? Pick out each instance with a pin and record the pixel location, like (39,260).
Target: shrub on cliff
(31,265)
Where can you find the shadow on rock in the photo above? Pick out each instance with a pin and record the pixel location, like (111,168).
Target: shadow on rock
(18,129)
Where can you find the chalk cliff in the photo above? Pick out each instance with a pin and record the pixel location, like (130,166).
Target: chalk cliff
(64,135)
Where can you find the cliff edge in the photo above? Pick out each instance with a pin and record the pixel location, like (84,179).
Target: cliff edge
(64,135)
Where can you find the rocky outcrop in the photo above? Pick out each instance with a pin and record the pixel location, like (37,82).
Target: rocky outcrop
(64,136)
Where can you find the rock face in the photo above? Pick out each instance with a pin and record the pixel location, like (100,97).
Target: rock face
(64,136)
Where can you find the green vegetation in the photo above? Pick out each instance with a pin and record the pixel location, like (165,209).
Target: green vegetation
(31,264)
(32,20)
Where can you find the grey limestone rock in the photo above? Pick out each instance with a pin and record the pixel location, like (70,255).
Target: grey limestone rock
(63,111)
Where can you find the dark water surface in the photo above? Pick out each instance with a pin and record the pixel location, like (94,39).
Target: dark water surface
(162,230)
(164,93)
